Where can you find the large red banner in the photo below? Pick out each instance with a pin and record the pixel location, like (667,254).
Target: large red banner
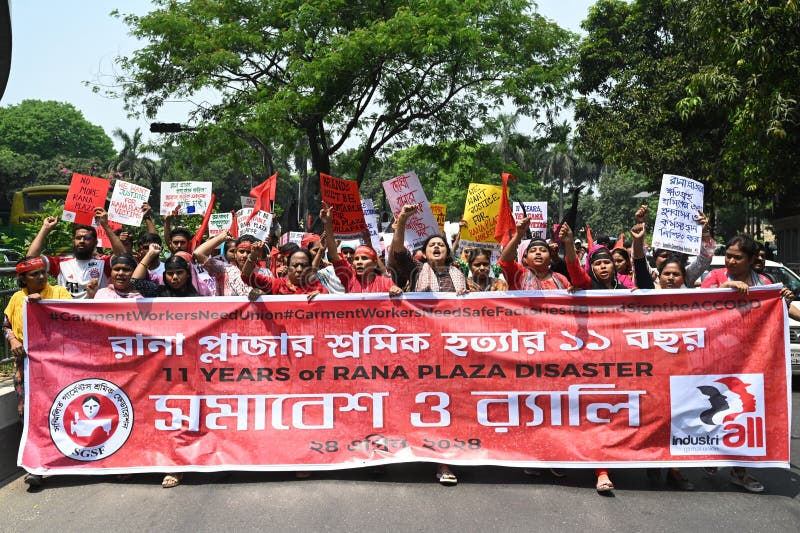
(688,378)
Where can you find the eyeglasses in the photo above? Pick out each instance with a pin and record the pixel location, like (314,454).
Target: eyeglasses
(83,237)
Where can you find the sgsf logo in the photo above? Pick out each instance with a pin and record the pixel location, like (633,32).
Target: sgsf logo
(717,414)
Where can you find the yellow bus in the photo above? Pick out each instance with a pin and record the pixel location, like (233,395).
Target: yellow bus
(30,201)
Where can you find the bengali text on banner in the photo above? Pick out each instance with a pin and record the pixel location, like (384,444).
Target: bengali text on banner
(606,378)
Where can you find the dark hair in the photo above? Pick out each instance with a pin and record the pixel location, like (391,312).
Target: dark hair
(761,247)
(623,252)
(304,252)
(245,238)
(596,283)
(150,238)
(90,229)
(180,231)
(745,243)
(289,248)
(448,258)
(476,253)
(172,264)
(673,260)
(123,259)
(605,240)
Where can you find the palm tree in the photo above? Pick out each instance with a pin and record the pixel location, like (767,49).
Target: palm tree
(130,163)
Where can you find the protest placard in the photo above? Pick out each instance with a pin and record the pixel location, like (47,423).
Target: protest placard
(85,193)
(440,214)
(102,238)
(259,226)
(343,196)
(291,236)
(126,203)
(537,212)
(406,189)
(219,223)
(373,226)
(193,197)
(480,214)
(676,226)
(248,202)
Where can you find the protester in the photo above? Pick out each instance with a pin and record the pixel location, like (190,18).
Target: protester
(32,278)
(83,269)
(700,263)
(534,274)
(435,273)
(155,268)
(300,276)
(122,267)
(738,274)
(481,274)
(602,275)
(228,275)
(362,275)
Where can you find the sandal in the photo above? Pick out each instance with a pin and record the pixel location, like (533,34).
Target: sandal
(604,485)
(171,480)
(746,481)
(446,477)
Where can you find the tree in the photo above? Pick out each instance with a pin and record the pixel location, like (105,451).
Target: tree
(749,71)
(377,74)
(633,69)
(50,129)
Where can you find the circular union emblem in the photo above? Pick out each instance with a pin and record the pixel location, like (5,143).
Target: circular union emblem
(90,419)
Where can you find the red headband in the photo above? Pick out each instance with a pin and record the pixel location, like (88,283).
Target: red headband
(307,239)
(366,250)
(27,265)
(244,245)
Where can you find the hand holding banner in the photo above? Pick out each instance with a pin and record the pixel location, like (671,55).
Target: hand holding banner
(405,190)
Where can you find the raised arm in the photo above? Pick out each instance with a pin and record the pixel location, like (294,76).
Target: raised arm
(168,222)
(38,243)
(202,252)
(326,216)
(147,212)
(509,253)
(141,271)
(399,238)
(250,264)
(116,244)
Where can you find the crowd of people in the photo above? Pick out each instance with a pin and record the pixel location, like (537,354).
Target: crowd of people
(143,267)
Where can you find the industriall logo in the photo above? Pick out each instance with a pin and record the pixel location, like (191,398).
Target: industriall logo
(717,414)
(90,419)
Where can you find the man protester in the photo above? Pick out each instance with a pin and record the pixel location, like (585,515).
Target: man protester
(83,273)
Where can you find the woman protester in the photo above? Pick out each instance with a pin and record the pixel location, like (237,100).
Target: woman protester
(177,284)
(300,275)
(227,274)
(434,273)
(362,276)
(738,274)
(122,267)
(32,278)
(602,275)
(481,274)
(534,274)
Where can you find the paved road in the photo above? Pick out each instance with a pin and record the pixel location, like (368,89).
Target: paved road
(406,499)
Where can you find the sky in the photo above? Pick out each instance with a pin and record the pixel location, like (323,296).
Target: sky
(58,45)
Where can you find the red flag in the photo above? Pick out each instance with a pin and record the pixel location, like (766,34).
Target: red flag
(264,195)
(505,219)
(234,229)
(198,237)
(589,239)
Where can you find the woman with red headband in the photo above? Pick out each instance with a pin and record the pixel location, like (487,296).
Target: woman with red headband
(362,276)
(32,277)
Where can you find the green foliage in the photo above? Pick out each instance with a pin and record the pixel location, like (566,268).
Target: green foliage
(59,240)
(51,129)
(320,75)
(611,211)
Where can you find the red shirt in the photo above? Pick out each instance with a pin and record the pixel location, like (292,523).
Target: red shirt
(354,283)
(281,285)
